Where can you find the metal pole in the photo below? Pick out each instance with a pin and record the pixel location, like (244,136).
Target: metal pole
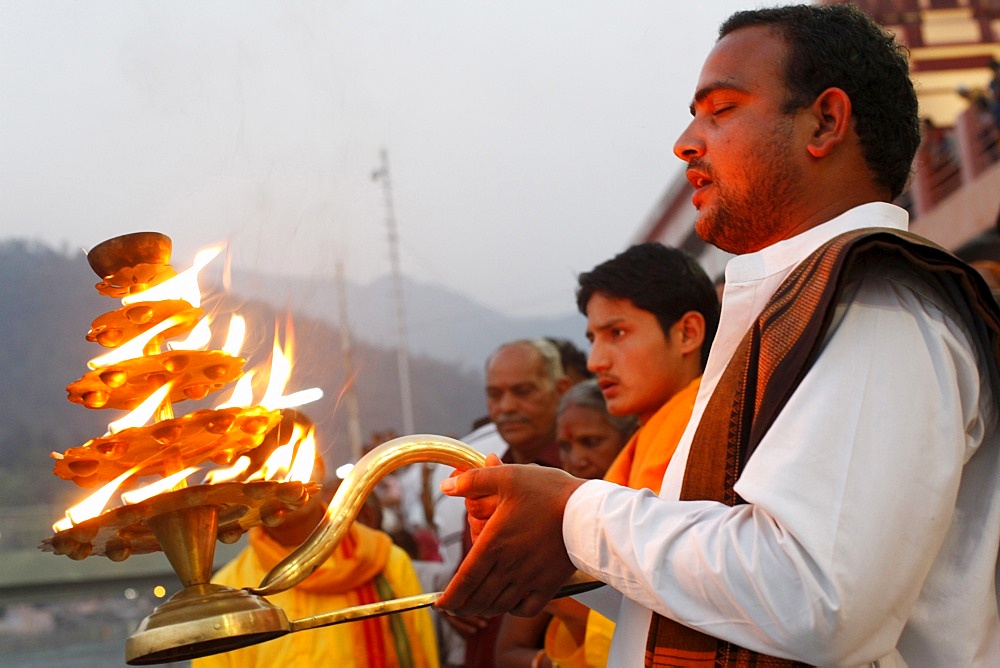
(402,354)
(350,396)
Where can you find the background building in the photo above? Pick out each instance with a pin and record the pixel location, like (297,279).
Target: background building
(954,193)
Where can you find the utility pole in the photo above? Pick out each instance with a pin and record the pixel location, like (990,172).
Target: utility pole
(350,396)
(402,353)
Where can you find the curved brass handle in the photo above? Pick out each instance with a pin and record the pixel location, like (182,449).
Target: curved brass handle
(351,495)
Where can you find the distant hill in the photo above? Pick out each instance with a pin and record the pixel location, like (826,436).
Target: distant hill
(48,301)
(440,323)
(46,305)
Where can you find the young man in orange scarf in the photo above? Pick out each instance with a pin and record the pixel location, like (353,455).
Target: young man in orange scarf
(651,314)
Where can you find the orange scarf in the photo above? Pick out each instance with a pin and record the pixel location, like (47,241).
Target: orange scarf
(644,458)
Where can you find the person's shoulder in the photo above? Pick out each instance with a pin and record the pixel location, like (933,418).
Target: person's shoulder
(892,281)
(885,259)
(486,439)
(487,430)
(923,303)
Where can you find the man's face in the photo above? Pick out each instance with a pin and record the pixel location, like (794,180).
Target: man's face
(742,149)
(638,367)
(521,399)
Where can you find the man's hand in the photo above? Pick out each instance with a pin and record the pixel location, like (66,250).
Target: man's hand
(518,560)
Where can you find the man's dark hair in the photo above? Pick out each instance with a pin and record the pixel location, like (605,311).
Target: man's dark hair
(838,46)
(665,281)
(574,360)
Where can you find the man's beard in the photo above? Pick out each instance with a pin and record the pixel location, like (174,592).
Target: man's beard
(743,219)
(743,223)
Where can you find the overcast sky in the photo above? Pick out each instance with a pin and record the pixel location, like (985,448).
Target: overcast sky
(527,140)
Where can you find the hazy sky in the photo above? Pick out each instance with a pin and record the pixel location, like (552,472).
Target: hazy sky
(527,140)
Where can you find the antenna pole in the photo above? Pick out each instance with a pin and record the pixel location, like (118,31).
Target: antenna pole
(402,353)
(350,396)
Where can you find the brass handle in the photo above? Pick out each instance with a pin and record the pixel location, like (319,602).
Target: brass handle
(351,495)
(577,584)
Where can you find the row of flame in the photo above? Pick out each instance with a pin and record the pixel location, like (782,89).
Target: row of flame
(292,461)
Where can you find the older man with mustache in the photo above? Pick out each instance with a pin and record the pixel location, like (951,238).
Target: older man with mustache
(524,381)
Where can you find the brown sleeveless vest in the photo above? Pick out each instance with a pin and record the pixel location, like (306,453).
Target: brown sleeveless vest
(768,365)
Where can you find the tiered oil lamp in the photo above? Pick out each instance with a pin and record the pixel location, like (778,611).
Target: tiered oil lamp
(183,521)
(144,376)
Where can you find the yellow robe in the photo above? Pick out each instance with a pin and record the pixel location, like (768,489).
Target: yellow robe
(640,464)
(362,569)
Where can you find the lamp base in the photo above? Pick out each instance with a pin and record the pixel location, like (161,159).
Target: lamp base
(204,619)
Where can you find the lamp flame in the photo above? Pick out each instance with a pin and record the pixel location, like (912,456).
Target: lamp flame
(305,459)
(234,339)
(154,488)
(292,461)
(278,463)
(299,398)
(135,347)
(281,369)
(93,504)
(197,339)
(182,286)
(143,412)
(227,474)
(242,396)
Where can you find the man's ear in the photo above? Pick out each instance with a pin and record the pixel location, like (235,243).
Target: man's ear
(690,329)
(562,384)
(831,111)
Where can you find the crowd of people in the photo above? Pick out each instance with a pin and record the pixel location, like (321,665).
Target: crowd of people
(805,474)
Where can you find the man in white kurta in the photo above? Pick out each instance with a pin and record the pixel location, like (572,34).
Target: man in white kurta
(769,574)
(871,524)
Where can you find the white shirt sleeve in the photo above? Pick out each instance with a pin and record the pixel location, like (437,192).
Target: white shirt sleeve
(849,497)
(606,601)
